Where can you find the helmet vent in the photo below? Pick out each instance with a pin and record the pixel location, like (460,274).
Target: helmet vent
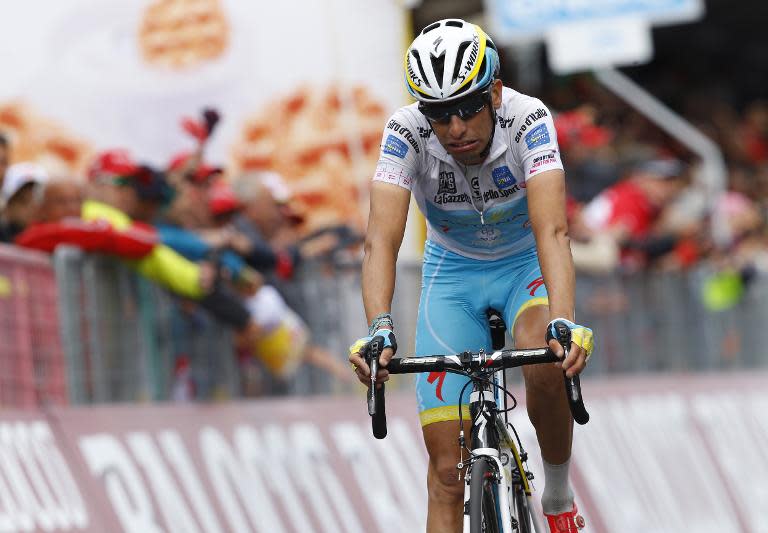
(455,23)
(438,66)
(421,68)
(430,27)
(457,65)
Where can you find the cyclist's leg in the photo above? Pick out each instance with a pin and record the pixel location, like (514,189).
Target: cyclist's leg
(445,489)
(545,393)
(450,321)
(528,312)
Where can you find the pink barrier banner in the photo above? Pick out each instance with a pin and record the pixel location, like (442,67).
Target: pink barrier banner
(43,486)
(285,465)
(660,454)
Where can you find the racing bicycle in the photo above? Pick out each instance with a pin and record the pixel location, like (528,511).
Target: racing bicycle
(498,496)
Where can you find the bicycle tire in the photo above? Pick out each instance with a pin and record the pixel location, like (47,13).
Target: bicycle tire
(483,510)
(523,511)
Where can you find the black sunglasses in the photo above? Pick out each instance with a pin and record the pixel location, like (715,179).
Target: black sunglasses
(465,109)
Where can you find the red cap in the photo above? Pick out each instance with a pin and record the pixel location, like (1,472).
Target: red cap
(203,171)
(222,199)
(112,163)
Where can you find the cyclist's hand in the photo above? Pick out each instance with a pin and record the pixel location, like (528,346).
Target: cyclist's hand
(359,349)
(582,345)
(357,360)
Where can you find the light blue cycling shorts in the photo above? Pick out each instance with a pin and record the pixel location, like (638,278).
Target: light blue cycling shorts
(456,292)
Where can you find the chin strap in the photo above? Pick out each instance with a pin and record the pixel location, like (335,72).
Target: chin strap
(487,148)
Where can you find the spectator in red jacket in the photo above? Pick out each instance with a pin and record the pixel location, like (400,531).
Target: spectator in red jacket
(628,211)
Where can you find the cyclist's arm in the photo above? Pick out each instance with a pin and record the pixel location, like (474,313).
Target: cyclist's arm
(546,207)
(386,226)
(399,162)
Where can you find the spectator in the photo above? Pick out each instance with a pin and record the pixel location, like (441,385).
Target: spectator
(191,178)
(147,193)
(596,252)
(259,220)
(119,188)
(267,221)
(744,247)
(21,182)
(57,221)
(588,149)
(59,199)
(110,199)
(283,343)
(223,203)
(628,211)
(189,167)
(753,133)
(223,207)
(151,194)
(283,340)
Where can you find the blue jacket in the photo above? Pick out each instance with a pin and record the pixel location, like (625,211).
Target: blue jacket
(194,248)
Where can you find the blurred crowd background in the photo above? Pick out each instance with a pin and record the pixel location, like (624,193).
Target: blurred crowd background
(169,272)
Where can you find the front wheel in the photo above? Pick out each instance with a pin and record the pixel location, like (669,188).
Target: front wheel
(523,510)
(483,497)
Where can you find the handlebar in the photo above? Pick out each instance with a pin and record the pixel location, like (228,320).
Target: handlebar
(470,362)
(476,361)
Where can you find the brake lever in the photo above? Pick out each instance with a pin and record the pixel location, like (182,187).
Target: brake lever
(376,404)
(572,384)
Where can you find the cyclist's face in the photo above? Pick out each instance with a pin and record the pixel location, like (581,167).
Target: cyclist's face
(465,139)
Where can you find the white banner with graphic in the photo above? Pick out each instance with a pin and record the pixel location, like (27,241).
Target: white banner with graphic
(304,87)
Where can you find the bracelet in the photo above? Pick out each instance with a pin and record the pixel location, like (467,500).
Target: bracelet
(384,320)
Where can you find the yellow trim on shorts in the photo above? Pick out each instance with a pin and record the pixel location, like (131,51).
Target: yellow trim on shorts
(446,413)
(542,300)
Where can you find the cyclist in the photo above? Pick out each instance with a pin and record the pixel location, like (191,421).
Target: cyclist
(482,161)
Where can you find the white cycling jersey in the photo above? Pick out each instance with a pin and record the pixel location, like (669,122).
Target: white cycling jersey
(479,212)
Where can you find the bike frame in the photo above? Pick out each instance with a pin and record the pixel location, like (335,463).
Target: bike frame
(487,440)
(497,444)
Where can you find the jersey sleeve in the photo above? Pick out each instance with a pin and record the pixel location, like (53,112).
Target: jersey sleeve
(536,140)
(401,151)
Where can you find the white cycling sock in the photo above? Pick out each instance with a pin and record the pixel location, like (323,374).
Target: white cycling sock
(558,495)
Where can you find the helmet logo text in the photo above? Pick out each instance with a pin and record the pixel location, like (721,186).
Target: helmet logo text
(411,74)
(471,60)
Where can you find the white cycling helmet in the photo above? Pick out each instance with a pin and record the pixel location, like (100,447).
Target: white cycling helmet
(449,59)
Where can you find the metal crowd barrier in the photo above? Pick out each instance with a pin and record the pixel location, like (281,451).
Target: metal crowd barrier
(126,339)
(658,322)
(123,336)
(327,295)
(644,322)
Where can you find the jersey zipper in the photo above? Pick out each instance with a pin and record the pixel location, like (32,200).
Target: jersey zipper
(479,192)
(478,211)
